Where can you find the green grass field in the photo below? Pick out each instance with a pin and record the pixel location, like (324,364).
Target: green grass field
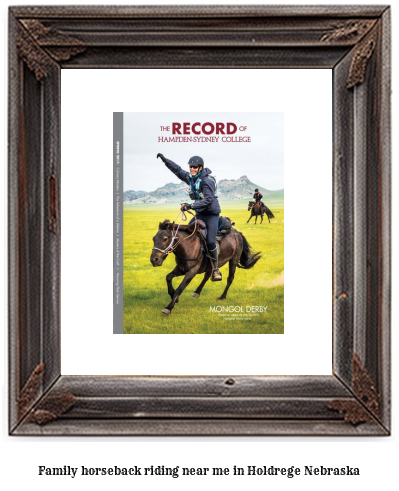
(145,292)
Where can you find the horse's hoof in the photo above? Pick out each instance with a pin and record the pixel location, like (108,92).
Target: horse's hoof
(166,311)
(222,298)
(196,295)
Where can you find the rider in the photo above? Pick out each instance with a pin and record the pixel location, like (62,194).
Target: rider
(206,204)
(258,197)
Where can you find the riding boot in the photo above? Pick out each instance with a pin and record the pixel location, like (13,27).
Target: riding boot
(216,274)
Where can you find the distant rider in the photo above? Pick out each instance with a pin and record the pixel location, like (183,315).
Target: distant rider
(258,198)
(206,204)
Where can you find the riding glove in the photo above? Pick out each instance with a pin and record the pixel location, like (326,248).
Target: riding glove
(186,206)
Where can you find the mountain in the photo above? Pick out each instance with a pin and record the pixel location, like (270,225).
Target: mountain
(132,195)
(227,189)
(171,192)
(243,188)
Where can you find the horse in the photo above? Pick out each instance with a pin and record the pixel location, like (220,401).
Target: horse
(192,260)
(257,209)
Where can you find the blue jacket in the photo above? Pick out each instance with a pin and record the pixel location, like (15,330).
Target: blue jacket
(208,205)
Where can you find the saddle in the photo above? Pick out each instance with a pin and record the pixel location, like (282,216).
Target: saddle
(201,230)
(225,226)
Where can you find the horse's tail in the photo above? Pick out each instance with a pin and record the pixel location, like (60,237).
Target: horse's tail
(268,212)
(248,258)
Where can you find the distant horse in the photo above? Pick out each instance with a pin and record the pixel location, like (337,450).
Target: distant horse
(257,209)
(191,259)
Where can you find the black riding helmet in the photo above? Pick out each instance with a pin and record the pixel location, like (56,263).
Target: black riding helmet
(256,190)
(196,161)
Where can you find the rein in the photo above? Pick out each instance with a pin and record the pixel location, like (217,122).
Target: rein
(172,247)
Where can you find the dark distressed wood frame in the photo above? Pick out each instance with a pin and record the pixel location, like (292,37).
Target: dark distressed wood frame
(353,41)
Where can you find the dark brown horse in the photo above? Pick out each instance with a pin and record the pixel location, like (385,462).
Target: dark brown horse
(257,209)
(191,259)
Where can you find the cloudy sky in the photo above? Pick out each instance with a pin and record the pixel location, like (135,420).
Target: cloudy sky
(262,159)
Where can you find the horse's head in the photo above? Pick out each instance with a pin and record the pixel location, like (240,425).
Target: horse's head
(162,240)
(251,205)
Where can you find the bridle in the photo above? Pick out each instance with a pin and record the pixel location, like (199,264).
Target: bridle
(172,247)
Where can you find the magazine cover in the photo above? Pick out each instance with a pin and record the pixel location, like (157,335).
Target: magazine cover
(199,223)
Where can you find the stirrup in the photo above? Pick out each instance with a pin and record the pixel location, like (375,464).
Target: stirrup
(216,275)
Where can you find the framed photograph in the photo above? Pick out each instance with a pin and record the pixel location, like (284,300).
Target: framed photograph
(212,117)
(204,236)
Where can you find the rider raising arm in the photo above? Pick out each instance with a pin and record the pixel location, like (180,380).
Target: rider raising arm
(206,203)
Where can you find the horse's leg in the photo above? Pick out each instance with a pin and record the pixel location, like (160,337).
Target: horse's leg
(261,217)
(198,291)
(169,278)
(187,278)
(256,219)
(232,269)
(250,217)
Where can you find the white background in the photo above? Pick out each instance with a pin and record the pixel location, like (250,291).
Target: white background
(376,457)
(86,260)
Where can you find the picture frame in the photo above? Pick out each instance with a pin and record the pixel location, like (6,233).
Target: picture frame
(354,42)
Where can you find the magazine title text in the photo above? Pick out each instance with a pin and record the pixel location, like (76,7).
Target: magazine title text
(207,132)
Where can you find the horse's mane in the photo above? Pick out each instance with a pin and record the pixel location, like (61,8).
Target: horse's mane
(164,225)
(168,225)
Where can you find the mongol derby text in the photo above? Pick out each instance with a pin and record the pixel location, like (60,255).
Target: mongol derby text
(238,308)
